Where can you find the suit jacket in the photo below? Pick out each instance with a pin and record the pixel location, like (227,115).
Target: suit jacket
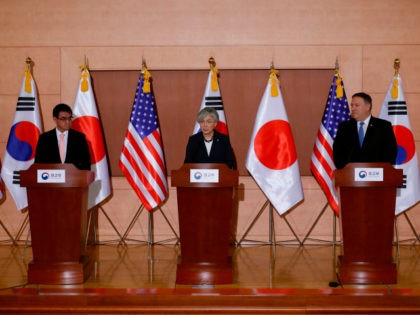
(47,150)
(379,144)
(221,150)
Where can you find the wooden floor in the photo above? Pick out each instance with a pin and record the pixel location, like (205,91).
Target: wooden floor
(141,279)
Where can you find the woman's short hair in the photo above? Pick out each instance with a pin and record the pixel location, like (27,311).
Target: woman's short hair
(208,111)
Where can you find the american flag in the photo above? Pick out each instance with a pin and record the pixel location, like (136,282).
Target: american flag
(142,159)
(322,163)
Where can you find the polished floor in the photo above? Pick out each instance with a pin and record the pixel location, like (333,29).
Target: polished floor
(281,266)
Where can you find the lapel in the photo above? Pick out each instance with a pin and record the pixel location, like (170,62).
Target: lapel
(214,144)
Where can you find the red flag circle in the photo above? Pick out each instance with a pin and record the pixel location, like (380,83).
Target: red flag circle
(221,127)
(274,146)
(91,127)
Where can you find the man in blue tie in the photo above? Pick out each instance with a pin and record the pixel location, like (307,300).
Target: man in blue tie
(364,138)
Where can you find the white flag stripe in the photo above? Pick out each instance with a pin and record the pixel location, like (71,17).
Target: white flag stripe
(155,161)
(322,149)
(150,158)
(329,183)
(144,181)
(136,179)
(149,174)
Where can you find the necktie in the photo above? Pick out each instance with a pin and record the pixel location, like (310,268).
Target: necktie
(361,133)
(61,147)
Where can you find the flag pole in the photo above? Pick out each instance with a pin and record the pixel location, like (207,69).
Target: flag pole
(29,63)
(271,237)
(273,81)
(150,236)
(8,233)
(150,224)
(212,62)
(397,66)
(334,240)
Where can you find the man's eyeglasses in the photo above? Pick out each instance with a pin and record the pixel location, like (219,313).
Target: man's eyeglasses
(65,118)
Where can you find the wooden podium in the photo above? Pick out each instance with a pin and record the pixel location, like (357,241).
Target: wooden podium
(57,205)
(205,213)
(367,212)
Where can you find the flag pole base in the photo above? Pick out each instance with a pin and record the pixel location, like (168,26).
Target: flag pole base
(8,234)
(332,242)
(150,236)
(272,241)
(92,216)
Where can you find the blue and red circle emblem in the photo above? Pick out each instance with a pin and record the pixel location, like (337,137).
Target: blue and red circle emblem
(405,143)
(22,141)
(362,174)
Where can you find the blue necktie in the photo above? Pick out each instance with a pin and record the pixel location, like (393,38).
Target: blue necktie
(361,133)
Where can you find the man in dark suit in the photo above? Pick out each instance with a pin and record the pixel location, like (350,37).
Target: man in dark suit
(63,144)
(208,145)
(364,138)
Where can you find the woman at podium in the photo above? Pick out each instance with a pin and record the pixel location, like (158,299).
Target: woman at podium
(208,145)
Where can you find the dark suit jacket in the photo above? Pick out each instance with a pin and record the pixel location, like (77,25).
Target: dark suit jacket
(221,150)
(47,150)
(379,144)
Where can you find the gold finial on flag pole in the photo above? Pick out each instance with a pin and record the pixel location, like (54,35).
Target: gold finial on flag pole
(338,81)
(146,76)
(83,67)
(84,85)
(273,80)
(86,62)
(215,72)
(273,71)
(337,66)
(28,75)
(394,89)
(29,63)
(397,65)
(212,62)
